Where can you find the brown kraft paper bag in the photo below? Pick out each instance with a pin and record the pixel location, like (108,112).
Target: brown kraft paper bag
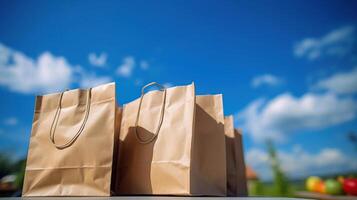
(208,165)
(72,143)
(236,178)
(157,147)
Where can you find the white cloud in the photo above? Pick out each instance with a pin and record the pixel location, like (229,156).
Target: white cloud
(20,73)
(5,54)
(336,43)
(286,114)
(11,121)
(127,67)
(300,163)
(98,60)
(341,83)
(266,79)
(144,65)
(46,74)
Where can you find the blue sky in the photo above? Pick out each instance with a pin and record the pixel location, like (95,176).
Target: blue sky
(287,70)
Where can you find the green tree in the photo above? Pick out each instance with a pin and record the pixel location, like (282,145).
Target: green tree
(256,188)
(281,183)
(20,172)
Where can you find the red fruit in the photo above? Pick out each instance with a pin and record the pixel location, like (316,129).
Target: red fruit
(350,186)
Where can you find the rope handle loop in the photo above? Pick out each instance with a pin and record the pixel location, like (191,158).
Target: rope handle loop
(56,117)
(163,89)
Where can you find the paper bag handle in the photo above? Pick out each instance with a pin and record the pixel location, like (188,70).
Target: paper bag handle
(55,120)
(162,88)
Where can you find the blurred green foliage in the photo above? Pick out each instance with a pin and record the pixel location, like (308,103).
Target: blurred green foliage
(258,188)
(281,183)
(20,172)
(281,186)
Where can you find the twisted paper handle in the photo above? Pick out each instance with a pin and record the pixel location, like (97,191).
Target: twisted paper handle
(55,121)
(162,88)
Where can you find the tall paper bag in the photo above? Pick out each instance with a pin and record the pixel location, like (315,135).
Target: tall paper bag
(209,148)
(236,178)
(158,146)
(72,143)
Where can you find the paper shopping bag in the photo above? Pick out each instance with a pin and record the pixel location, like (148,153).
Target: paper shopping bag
(236,178)
(159,152)
(72,143)
(208,161)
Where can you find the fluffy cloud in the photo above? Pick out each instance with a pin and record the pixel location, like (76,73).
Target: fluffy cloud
(11,121)
(266,79)
(287,114)
(299,163)
(98,60)
(127,67)
(340,83)
(46,74)
(20,73)
(337,43)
